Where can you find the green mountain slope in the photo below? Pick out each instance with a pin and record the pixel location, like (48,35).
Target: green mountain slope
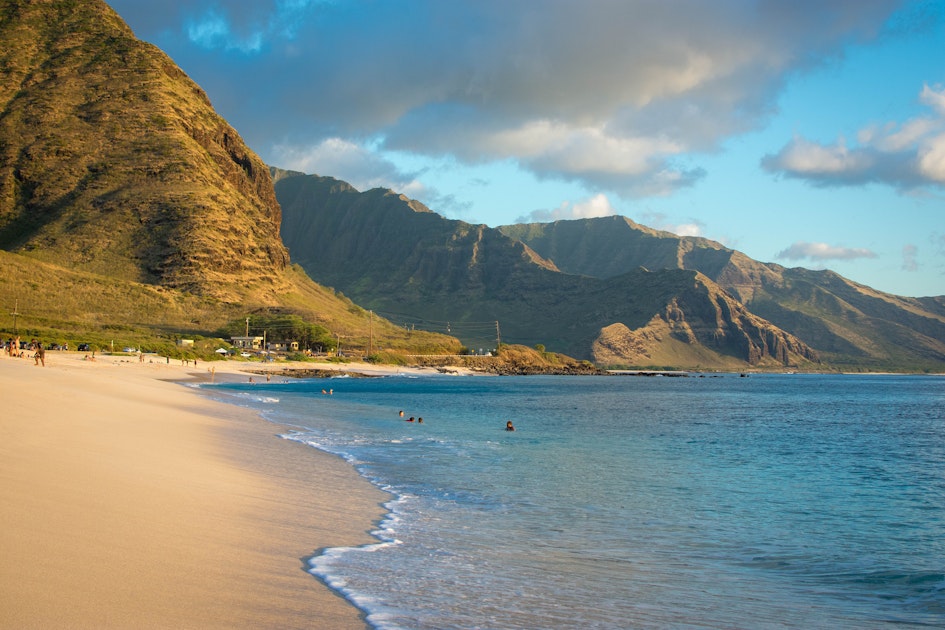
(113,161)
(847,323)
(127,203)
(394,255)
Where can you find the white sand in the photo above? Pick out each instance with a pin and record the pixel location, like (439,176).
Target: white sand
(129,501)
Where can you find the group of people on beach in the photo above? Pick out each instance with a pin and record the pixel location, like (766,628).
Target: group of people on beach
(14,348)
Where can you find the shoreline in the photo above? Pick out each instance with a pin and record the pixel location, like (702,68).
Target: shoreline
(134,501)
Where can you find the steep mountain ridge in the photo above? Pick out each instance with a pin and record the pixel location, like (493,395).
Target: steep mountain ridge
(113,161)
(128,206)
(390,256)
(844,321)
(385,243)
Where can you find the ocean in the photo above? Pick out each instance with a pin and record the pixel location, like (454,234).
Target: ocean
(712,501)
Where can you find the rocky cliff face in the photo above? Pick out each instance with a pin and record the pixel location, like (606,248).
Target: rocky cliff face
(607,289)
(846,323)
(113,161)
(393,256)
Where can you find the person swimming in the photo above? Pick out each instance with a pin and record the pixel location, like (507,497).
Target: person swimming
(508,426)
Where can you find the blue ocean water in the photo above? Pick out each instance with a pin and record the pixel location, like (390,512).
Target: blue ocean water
(772,501)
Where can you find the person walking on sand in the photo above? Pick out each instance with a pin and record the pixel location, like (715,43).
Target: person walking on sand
(40,356)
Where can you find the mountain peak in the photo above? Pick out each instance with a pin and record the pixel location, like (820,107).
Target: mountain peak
(113,161)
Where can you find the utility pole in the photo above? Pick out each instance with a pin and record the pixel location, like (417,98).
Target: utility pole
(247,327)
(371,341)
(15,313)
(498,338)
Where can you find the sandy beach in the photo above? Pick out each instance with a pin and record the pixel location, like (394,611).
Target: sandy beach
(131,501)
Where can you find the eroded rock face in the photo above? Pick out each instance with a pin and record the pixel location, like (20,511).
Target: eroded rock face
(113,161)
(705,317)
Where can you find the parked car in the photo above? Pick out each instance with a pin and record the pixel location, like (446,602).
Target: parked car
(84,347)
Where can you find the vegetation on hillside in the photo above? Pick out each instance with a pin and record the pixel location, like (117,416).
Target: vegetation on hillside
(133,215)
(605,289)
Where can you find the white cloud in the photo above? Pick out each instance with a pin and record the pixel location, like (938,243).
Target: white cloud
(596,206)
(932,159)
(907,156)
(354,163)
(593,207)
(688,229)
(803,157)
(934,99)
(617,95)
(660,221)
(822,251)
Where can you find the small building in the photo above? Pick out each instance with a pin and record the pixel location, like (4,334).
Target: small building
(186,343)
(247,343)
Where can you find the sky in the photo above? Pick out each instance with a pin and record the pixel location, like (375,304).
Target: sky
(807,133)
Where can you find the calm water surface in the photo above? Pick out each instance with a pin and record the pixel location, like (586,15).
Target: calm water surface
(773,501)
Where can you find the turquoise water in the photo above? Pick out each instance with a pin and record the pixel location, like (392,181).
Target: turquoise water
(772,501)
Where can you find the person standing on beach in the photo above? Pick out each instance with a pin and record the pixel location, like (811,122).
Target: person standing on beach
(40,356)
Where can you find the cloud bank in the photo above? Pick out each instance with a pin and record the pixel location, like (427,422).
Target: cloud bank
(908,156)
(617,95)
(822,251)
(594,207)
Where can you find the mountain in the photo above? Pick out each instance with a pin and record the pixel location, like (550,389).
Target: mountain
(846,322)
(606,289)
(396,256)
(113,161)
(126,201)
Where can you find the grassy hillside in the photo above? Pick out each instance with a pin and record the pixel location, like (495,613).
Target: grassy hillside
(475,282)
(61,305)
(128,208)
(851,326)
(114,162)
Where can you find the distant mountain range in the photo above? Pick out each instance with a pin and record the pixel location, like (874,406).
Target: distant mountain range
(127,201)
(604,289)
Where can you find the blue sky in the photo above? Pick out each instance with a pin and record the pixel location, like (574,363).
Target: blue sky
(807,133)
